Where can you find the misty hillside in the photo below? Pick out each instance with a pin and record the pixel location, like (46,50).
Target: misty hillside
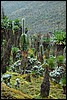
(41,16)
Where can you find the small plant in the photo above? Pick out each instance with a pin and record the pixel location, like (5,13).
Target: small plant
(16,28)
(17,83)
(31,52)
(51,62)
(17,22)
(63,83)
(9,24)
(6,78)
(45,41)
(60,37)
(60,59)
(56,74)
(44,64)
(46,38)
(14,51)
(4,22)
(37,70)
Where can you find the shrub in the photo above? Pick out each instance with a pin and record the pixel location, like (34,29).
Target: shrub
(9,24)
(16,28)
(51,62)
(57,74)
(60,37)
(63,81)
(14,49)
(60,59)
(37,70)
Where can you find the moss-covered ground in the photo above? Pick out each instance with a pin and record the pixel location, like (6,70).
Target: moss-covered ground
(29,90)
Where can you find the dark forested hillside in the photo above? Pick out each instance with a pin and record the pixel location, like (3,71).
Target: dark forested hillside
(41,16)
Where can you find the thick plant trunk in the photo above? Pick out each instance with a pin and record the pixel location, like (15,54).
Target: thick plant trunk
(45,86)
(14,57)
(59,49)
(45,45)
(6,57)
(16,35)
(64,89)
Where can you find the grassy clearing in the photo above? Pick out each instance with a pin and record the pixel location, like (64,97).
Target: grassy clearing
(30,89)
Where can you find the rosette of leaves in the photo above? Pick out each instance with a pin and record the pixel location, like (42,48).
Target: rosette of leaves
(6,78)
(14,49)
(17,63)
(4,22)
(51,62)
(60,59)
(56,74)
(37,71)
(45,39)
(9,24)
(60,37)
(63,80)
(44,65)
(31,52)
(18,55)
(63,83)
(15,28)
(17,22)
(32,60)
(14,52)
(12,68)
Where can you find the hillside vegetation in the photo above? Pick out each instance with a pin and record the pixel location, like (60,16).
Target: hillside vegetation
(41,16)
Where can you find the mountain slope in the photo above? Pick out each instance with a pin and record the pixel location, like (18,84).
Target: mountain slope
(41,16)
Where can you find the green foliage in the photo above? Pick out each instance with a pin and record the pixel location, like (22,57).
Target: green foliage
(31,89)
(51,62)
(14,49)
(10,93)
(33,49)
(17,22)
(47,40)
(37,70)
(31,55)
(44,65)
(57,73)
(60,59)
(16,28)
(7,67)
(4,22)
(60,37)
(9,24)
(24,42)
(63,81)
